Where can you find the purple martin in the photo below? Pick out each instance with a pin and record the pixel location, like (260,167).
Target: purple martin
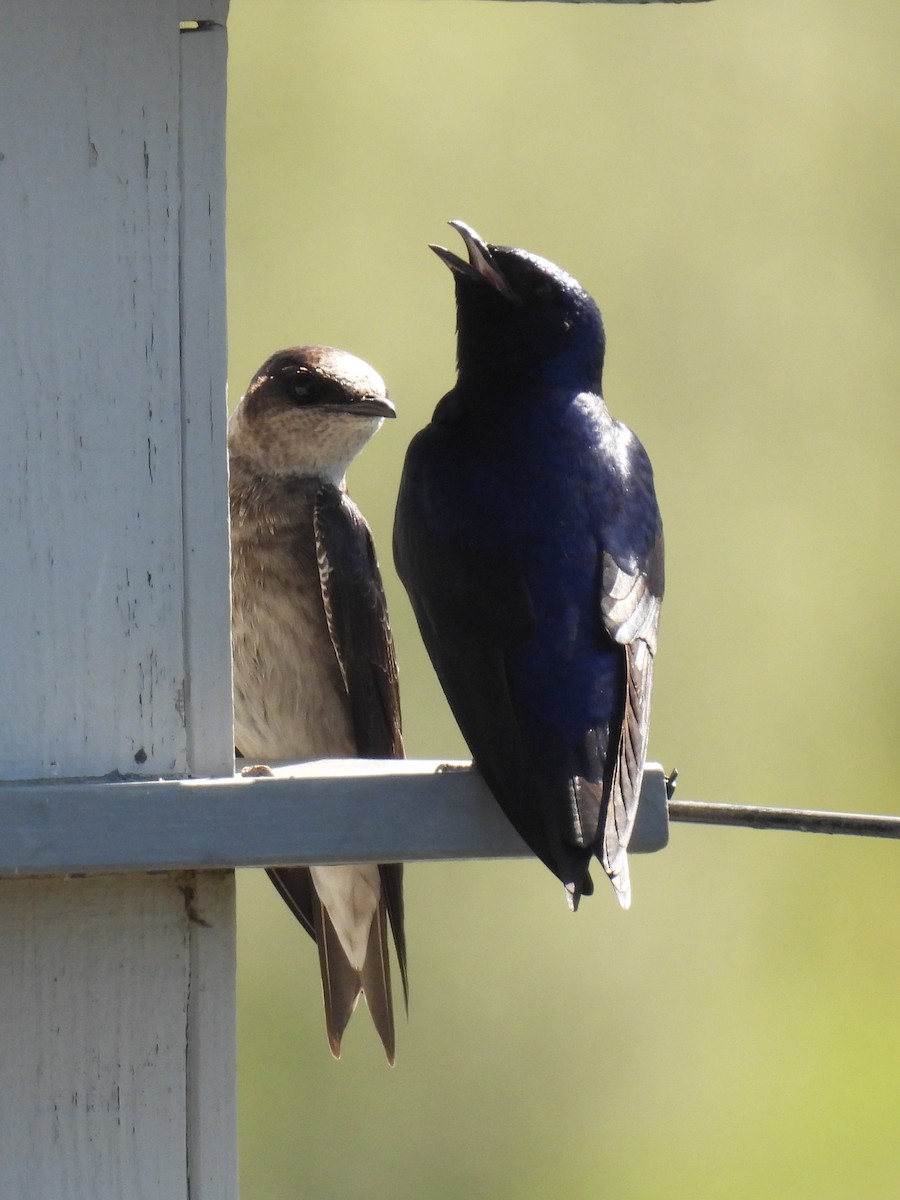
(315,674)
(528,537)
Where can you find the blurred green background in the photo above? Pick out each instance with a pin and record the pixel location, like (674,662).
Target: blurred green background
(725,179)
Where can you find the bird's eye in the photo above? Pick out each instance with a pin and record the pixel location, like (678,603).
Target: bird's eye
(299,387)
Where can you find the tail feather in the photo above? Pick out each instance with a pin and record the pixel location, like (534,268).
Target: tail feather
(341,983)
(391,876)
(375,980)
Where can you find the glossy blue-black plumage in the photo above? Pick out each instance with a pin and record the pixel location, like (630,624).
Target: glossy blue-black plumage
(529,539)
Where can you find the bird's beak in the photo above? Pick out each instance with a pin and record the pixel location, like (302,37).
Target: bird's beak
(480,266)
(371,406)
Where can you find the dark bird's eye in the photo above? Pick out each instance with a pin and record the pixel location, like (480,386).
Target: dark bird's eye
(299,386)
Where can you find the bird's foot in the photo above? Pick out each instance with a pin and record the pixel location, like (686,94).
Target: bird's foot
(257,771)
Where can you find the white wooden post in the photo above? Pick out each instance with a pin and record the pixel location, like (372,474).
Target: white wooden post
(116,992)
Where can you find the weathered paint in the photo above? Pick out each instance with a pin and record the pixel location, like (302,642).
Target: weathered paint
(116,993)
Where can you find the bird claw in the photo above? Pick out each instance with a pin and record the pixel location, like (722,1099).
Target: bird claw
(257,771)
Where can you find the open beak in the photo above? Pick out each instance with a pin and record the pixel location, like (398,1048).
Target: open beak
(480,266)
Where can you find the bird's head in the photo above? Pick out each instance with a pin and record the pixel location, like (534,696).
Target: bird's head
(308,412)
(520,317)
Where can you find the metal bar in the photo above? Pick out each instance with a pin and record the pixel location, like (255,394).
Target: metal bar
(801,820)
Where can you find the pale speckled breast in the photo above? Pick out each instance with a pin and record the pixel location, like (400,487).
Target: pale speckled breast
(289,698)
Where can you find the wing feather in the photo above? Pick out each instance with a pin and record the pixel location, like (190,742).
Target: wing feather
(471,620)
(356,613)
(630,606)
(359,628)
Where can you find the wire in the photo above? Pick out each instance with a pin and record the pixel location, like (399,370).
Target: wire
(802,820)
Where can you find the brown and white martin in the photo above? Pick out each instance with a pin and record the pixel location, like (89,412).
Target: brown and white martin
(314,669)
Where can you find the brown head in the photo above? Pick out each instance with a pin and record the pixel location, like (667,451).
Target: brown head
(308,411)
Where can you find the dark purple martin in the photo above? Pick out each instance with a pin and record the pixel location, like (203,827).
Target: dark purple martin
(529,539)
(314,669)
